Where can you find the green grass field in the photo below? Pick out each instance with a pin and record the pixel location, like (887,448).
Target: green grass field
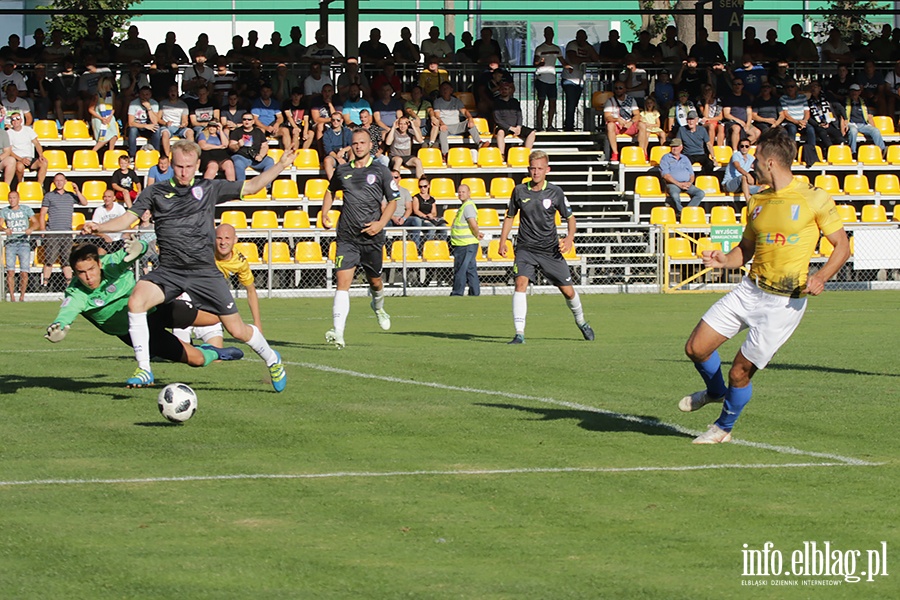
(435,461)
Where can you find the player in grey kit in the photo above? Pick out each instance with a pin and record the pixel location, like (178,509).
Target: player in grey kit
(183,210)
(370,196)
(538,244)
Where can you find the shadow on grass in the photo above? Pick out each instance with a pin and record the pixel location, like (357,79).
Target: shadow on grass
(594,421)
(10,384)
(157,424)
(443,335)
(822,369)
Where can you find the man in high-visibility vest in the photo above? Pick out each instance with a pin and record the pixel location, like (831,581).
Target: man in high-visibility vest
(464,237)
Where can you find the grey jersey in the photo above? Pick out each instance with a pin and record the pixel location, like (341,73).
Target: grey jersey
(364,190)
(59,208)
(184,219)
(537,222)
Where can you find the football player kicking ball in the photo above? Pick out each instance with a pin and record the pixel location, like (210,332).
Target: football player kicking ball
(538,243)
(100,294)
(183,210)
(781,233)
(360,232)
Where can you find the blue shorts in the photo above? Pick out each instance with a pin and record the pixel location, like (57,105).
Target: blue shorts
(176,130)
(20,249)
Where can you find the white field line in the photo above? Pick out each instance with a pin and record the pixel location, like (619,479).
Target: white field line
(632,418)
(450,473)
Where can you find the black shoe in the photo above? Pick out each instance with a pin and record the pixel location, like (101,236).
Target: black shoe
(519,339)
(587,332)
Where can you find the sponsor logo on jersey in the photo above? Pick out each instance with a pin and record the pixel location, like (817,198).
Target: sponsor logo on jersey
(111,289)
(197,192)
(229,305)
(348,176)
(66,301)
(755,213)
(370,178)
(780,239)
(795,212)
(99,301)
(547,202)
(394,186)
(526,200)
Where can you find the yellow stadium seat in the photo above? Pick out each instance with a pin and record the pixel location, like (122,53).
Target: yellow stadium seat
(450,214)
(332,251)
(409,247)
(296,219)
(314,189)
(896,216)
(493,251)
(490,157)
(648,185)
(869,154)
(884,124)
(78,220)
(893,154)
(887,183)
(431,158)
(333,215)
(45,129)
(829,183)
(93,189)
(460,158)
(75,129)
(281,252)
(599,98)
(436,250)
(825,247)
(476,185)
(307,158)
(709,184)
(488,217)
(662,215)
(744,215)
(706,243)
(820,160)
(517,156)
(802,179)
(308,252)
(722,154)
(111,159)
(56,160)
(248,250)
(657,152)
(632,156)
(258,195)
(679,248)
(264,219)
(479,253)
(502,187)
(722,215)
(874,213)
(693,215)
(4,191)
(275,154)
(285,189)
(468,100)
(840,155)
(29,191)
(145,159)
(411,184)
(443,188)
(235,218)
(846,212)
(85,160)
(856,185)
(481,125)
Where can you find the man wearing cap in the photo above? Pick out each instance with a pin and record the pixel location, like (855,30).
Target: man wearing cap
(678,174)
(858,120)
(697,145)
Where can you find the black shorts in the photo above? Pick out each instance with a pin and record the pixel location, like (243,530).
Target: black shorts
(208,289)
(554,266)
(524,133)
(369,256)
(163,344)
(545,90)
(57,249)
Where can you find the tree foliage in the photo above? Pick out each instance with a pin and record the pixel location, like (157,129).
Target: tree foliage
(835,18)
(74,26)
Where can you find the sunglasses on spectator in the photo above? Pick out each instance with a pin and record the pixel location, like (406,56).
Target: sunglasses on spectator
(744,146)
(423,185)
(15,118)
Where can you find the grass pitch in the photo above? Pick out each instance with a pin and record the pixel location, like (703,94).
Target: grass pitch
(434,461)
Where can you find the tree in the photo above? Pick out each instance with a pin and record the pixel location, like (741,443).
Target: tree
(76,14)
(656,23)
(836,18)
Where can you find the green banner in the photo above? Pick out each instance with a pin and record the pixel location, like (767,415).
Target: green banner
(727,235)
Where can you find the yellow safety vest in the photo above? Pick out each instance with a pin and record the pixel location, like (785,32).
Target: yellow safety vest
(460,234)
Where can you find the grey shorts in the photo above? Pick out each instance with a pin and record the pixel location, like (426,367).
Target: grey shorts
(208,289)
(349,255)
(20,249)
(57,248)
(554,266)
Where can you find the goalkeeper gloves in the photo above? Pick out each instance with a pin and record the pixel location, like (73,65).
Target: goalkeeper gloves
(56,333)
(133,250)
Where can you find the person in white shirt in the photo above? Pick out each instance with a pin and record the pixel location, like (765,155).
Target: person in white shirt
(316,80)
(13,103)
(26,148)
(110,210)
(173,119)
(545,58)
(437,47)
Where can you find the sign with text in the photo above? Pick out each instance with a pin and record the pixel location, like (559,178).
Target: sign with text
(727,235)
(728,15)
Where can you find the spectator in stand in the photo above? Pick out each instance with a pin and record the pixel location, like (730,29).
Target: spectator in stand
(399,142)
(450,117)
(9,74)
(267,111)
(205,48)
(296,121)
(645,50)
(753,75)
(710,109)
(800,48)
(249,148)
(161,79)
(91,43)
(202,110)
(336,140)
(134,47)
(739,172)
(124,183)
(425,209)
(403,216)
(545,58)
(418,109)
(250,83)
(664,92)
(273,51)
(432,77)
(131,81)
(696,143)
(508,119)
(14,50)
(354,104)
(651,118)
(795,118)
(143,121)
(283,82)
(173,119)
(678,175)
(39,91)
(767,110)
(623,117)
(636,81)
(823,119)
(373,52)
(690,78)
(324,107)
(834,49)
(387,108)
(738,115)
(36,51)
(388,75)
(672,50)
(236,55)
(230,115)
(720,78)
(612,50)
(13,103)
(56,52)
(778,76)
(214,155)
(17,221)
(751,45)
(881,49)
(838,89)
(103,117)
(858,119)
(466,52)
(64,93)
(890,91)
(7,160)
(678,114)
(437,47)
(323,52)
(87,83)
(26,149)
(873,86)
(252,49)
(772,49)
(196,76)
(405,51)
(316,80)
(109,242)
(294,50)
(224,80)
(705,51)
(57,208)
(578,53)
(169,53)
(376,133)
(487,87)
(352,74)
(160,171)
(486,47)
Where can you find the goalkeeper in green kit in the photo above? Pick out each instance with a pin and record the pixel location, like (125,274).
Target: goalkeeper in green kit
(100,292)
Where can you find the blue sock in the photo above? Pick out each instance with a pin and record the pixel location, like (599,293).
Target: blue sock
(735,401)
(711,372)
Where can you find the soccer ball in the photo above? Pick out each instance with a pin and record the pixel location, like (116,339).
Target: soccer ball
(177,402)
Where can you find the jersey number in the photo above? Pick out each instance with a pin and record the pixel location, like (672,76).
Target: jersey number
(338,260)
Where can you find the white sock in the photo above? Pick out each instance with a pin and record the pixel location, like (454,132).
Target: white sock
(140,338)
(340,310)
(261,347)
(520,309)
(378,298)
(183,334)
(575,306)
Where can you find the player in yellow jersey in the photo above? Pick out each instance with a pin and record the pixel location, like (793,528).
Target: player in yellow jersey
(783,225)
(230,262)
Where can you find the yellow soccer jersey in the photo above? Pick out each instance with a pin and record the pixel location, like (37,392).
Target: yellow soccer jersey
(236,265)
(785,227)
